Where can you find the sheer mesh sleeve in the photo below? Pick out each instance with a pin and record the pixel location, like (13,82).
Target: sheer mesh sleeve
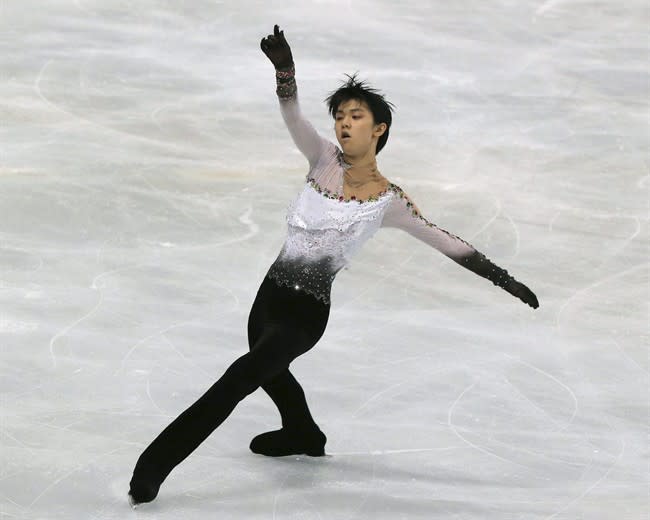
(404,214)
(304,135)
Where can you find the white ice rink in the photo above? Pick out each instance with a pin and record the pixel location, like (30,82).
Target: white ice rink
(145,173)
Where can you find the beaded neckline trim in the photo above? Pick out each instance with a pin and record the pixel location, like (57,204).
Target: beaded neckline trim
(332,195)
(391,188)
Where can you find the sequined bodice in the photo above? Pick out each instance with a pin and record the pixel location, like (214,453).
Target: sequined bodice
(341,221)
(323,234)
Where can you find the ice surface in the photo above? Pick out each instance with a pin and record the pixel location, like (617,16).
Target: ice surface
(145,174)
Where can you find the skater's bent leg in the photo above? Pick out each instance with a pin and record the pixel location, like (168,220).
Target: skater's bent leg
(288,396)
(285,392)
(299,433)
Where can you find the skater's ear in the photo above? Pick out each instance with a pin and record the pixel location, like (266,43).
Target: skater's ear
(380,129)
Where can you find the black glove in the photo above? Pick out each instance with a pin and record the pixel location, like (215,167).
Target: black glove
(277,49)
(479,264)
(522,292)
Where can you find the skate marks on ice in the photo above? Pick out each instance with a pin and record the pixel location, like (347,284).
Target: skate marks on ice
(542,462)
(164,146)
(97,287)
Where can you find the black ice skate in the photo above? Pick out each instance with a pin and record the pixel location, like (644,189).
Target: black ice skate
(280,443)
(142,492)
(144,485)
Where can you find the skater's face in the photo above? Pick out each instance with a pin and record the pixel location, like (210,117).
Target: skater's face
(354,118)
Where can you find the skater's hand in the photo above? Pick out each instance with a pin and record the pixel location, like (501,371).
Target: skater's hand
(522,292)
(277,49)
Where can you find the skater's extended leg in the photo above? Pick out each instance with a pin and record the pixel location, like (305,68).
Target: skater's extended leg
(276,349)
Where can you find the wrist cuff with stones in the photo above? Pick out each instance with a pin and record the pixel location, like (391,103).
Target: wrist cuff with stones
(286,82)
(288,71)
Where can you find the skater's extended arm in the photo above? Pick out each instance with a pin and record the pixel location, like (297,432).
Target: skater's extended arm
(479,264)
(304,135)
(405,215)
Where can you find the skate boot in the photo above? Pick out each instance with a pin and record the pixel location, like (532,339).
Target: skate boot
(140,492)
(283,442)
(144,485)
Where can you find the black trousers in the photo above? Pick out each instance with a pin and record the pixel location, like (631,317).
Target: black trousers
(283,324)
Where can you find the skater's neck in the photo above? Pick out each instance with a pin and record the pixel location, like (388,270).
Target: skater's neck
(360,171)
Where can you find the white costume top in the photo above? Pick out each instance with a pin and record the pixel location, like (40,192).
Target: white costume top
(325,230)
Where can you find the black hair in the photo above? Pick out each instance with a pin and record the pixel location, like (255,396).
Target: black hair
(359,90)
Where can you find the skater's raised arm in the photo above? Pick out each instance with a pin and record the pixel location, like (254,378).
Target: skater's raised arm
(404,214)
(304,135)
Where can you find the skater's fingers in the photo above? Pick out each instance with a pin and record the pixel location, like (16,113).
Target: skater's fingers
(527,296)
(522,292)
(276,30)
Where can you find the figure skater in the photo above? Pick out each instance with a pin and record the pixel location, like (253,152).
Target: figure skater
(344,201)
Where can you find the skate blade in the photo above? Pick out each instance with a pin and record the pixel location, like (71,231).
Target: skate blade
(132,502)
